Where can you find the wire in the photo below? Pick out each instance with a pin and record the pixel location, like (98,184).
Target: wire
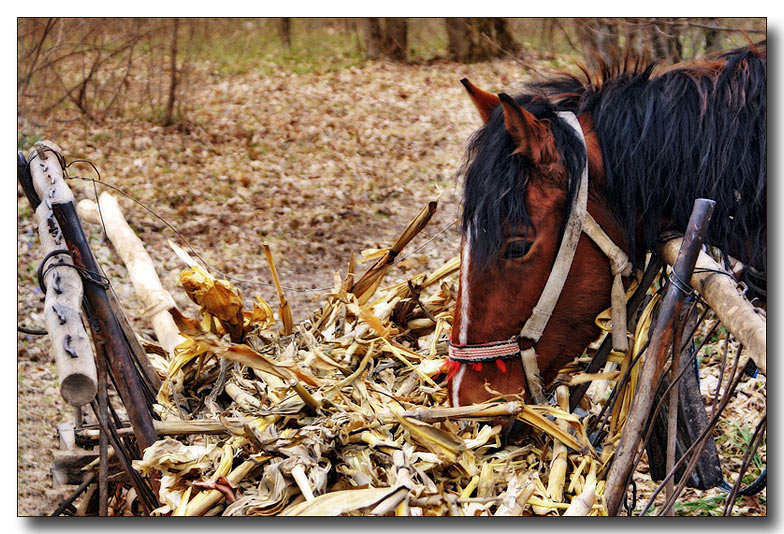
(31,331)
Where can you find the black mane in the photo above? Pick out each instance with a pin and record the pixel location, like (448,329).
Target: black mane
(697,130)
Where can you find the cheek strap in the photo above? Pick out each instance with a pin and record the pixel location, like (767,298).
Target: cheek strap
(537,322)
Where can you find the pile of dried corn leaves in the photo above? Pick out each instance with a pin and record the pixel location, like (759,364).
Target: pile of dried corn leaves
(347,414)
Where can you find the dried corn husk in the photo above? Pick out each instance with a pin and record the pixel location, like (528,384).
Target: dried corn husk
(349,414)
(284,311)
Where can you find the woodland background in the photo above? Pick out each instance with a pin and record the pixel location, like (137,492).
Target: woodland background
(321,137)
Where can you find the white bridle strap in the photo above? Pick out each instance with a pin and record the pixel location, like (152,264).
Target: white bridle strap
(620,266)
(536,323)
(483,352)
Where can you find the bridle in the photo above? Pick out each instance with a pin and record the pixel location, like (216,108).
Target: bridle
(579,221)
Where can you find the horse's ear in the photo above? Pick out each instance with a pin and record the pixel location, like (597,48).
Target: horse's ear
(528,132)
(485,102)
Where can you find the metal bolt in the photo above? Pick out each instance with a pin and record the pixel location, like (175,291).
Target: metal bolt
(59,314)
(56,283)
(67,347)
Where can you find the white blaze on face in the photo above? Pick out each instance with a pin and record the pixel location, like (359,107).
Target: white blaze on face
(456,386)
(464,297)
(462,337)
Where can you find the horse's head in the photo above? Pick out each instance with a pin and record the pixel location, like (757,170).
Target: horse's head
(522,171)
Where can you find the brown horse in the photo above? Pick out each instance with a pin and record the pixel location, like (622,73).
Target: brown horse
(652,142)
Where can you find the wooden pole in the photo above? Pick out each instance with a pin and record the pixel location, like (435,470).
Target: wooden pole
(672,410)
(141,270)
(52,190)
(103,442)
(661,336)
(62,283)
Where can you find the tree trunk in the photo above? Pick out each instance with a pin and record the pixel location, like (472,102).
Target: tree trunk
(396,39)
(386,38)
(457,34)
(479,39)
(373,38)
(167,120)
(284,27)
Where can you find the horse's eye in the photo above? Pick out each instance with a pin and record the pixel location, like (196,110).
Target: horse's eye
(517,249)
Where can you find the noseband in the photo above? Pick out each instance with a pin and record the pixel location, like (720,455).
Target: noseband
(579,221)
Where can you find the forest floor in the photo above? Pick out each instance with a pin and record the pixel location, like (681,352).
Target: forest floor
(318,165)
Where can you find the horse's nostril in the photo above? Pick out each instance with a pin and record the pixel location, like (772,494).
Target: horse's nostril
(514,432)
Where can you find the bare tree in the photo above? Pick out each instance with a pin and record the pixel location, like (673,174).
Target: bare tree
(386,38)
(664,39)
(284,28)
(598,39)
(479,39)
(98,67)
(167,120)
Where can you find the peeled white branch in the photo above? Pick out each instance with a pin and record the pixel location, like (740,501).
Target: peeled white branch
(141,270)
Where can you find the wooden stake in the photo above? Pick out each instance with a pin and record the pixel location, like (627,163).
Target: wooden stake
(620,471)
(141,270)
(61,281)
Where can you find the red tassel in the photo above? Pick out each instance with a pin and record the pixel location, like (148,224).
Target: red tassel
(501,365)
(451,368)
(476,366)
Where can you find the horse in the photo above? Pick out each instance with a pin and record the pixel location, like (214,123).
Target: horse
(641,142)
